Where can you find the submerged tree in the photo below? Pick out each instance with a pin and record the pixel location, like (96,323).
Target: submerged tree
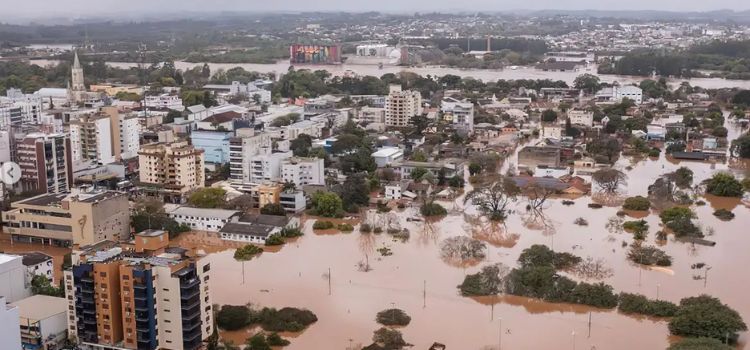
(610,180)
(493,198)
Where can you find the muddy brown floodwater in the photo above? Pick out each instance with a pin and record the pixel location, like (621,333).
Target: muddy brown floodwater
(417,280)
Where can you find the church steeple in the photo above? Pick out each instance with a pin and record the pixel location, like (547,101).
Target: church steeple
(77,86)
(76,62)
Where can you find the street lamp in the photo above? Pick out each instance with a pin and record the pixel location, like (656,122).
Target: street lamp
(657,290)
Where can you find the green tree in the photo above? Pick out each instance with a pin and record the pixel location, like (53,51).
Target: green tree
(393,317)
(233,317)
(549,116)
(327,204)
(637,203)
(741,146)
(699,344)
(40,284)
(587,82)
(683,177)
(706,316)
(493,197)
(209,197)
(274,239)
(257,342)
(724,185)
(273,209)
(418,173)
(354,192)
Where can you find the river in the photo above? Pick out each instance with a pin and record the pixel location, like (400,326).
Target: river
(281,67)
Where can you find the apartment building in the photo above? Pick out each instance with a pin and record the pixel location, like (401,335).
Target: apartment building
(460,113)
(10,337)
(164,101)
(173,168)
(144,295)
(214,143)
(129,134)
(14,282)
(242,148)
(63,219)
(266,167)
(401,105)
(581,117)
(91,137)
(45,162)
(303,171)
(371,115)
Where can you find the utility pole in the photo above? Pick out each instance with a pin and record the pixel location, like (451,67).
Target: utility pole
(589,324)
(329,281)
(705,276)
(424,294)
(657,290)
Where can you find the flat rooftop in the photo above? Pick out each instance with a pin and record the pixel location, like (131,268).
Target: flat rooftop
(40,307)
(45,199)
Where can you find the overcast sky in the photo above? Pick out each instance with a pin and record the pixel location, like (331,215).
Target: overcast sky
(45,8)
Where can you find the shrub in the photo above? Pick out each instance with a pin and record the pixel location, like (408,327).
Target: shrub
(274,339)
(724,214)
(637,203)
(327,204)
(365,228)
(724,185)
(273,209)
(388,339)
(675,213)
(275,239)
(247,252)
(433,209)
(488,281)
(291,232)
(541,255)
(257,342)
(344,227)
(706,316)
(233,317)
(648,255)
(639,228)
(684,227)
(393,317)
(699,344)
(597,295)
(639,304)
(654,152)
(287,319)
(323,225)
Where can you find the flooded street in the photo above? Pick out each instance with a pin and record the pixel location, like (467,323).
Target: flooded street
(417,280)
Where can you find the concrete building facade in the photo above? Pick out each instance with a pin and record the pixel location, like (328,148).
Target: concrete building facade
(65,219)
(401,106)
(46,163)
(174,168)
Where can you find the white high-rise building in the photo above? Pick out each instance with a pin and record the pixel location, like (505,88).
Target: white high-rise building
(401,105)
(10,328)
(267,167)
(303,171)
(14,280)
(242,148)
(130,140)
(91,139)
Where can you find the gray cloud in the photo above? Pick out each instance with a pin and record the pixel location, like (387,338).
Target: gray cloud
(93,7)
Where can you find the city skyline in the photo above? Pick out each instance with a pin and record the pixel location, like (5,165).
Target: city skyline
(89,8)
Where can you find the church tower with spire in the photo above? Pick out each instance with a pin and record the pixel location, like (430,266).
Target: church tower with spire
(77,87)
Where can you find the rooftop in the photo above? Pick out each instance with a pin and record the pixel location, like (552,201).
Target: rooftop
(204,213)
(34,258)
(40,307)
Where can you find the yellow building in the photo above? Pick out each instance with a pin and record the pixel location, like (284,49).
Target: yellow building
(172,168)
(64,219)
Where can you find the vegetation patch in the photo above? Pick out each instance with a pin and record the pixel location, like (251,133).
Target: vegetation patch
(649,255)
(393,317)
(433,209)
(637,203)
(639,304)
(724,214)
(323,225)
(706,317)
